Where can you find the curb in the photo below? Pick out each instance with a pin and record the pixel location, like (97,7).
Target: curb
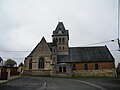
(5,81)
(91,84)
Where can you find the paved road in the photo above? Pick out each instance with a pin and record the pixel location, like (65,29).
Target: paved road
(66,84)
(109,84)
(23,83)
(35,83)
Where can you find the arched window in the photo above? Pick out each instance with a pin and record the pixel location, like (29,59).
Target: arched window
(41,63)
(64,69)
(63,48)
(63,40)
(60,69)
(30,64)
(59,40)
(85,67)
(59,48)
(74,67)
(96,66)
(56,39)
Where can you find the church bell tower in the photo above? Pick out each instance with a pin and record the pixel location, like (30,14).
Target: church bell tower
(61,36)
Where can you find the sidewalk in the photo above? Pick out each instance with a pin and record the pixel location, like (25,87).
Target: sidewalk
(3,81)
(12,78)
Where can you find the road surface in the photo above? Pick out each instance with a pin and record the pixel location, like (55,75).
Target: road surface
(48,83)
(23,83)
(66,84)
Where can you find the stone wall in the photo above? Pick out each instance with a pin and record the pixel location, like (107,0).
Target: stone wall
(38,72)
(8,73)
(101,72)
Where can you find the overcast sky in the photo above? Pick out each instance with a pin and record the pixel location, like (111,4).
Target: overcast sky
(24,22)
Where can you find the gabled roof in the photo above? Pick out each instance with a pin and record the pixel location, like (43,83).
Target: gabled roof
(42,41)
(87,54)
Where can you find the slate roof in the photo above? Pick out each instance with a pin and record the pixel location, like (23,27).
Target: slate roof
(118,67)
(60,25)
(86,54)
(50,45)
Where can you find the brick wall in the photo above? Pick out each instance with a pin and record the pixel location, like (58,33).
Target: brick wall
(91,66)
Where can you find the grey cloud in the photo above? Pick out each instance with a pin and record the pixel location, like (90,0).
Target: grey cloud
(24,22)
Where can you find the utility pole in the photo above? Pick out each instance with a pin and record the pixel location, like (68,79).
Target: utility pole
(118,22)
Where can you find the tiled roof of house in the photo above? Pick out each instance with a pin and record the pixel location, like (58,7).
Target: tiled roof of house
(86,54)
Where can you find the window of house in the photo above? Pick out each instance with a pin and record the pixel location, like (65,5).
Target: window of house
(63,48)
(60,69)
(41,63)
(64,69)
(30,64)
(85,67)
(96,66)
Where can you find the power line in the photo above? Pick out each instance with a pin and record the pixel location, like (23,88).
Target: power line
(118,18)
(113,40)
(12,51)
(118,24)
(16,57)
(13,58)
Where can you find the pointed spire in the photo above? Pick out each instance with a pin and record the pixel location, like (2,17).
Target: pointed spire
(60,26)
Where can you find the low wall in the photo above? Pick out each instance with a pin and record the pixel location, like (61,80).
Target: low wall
(4,76)
(7,74)
(36,72)
(103,72)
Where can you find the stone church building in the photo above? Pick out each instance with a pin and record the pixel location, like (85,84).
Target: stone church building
(56,58)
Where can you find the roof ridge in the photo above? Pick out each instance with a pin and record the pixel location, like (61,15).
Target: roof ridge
(87,47)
